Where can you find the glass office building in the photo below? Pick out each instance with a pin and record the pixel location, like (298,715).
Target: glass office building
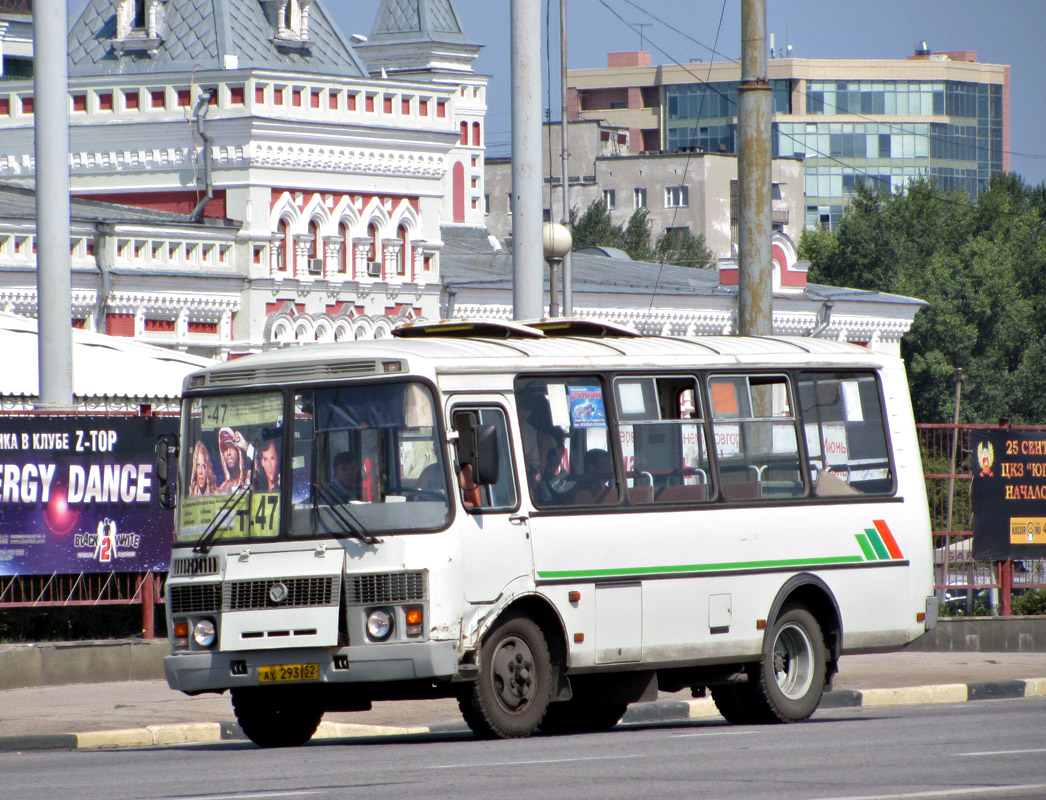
(941,116)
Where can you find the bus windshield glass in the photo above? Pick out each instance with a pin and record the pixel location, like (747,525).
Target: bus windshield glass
(230,468)
(367,461)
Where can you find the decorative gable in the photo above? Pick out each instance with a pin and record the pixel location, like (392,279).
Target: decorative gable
(290,22)
(140,26)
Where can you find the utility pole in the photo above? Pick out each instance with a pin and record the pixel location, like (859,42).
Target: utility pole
(51,152)
(527,247)
(564,147)
(755,283)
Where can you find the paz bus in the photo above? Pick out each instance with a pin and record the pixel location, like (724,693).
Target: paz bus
(546,521)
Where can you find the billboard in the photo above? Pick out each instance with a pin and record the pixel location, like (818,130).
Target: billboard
(1009,494)
(78,494)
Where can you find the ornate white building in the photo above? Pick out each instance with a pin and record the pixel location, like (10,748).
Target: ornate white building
(243,175)
(305,195)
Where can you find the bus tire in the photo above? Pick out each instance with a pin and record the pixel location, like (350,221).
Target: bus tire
(512,691)
(741,704)
(582,716)
(275,717)
(792,671)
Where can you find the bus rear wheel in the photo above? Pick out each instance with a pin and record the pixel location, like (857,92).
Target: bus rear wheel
(792,672)
(514,686)
(276,717)
(787,684)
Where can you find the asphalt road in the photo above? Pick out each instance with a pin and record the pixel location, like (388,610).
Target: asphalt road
(991,749)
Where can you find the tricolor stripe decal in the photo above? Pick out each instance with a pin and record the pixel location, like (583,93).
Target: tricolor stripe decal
(878,543)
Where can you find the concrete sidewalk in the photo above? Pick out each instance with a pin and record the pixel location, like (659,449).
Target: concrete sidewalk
(146,712)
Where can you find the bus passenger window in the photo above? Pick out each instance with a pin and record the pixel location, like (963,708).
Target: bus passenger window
(845,435)
(480,492)
(567,451)
(756,441)
(662,440)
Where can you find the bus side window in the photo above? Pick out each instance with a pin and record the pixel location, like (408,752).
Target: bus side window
(845,435)
(483,437)
(757,445)
(662,440)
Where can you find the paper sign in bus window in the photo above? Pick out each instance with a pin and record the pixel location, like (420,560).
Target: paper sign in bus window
(586,407)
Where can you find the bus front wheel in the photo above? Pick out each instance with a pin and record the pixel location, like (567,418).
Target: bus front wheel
(276,717)
(514,686)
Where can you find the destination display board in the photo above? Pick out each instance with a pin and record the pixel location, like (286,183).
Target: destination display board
(78,494)
(1009,494)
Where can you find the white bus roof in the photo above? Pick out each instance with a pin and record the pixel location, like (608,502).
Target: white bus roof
(429,354)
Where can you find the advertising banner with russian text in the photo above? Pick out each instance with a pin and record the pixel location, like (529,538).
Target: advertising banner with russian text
(78,494)
(1009,494)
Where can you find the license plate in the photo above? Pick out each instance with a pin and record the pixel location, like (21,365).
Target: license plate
(289,672)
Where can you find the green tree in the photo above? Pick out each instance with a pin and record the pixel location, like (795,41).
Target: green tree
(683,249)
(981,268)
(636,237)
(594,228)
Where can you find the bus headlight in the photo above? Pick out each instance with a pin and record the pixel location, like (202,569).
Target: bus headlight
(379,624)
(204,633)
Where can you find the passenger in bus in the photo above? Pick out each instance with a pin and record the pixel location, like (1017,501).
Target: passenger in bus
(236,463)
(268,479)
(204,483)
(345,485)
(597,482)
(549,484)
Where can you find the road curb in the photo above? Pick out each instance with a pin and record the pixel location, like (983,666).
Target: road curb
(638,713)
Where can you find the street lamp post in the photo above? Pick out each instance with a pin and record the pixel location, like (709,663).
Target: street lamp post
(557,242)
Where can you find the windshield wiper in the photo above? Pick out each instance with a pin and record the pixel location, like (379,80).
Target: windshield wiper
(349,523)
(204,545)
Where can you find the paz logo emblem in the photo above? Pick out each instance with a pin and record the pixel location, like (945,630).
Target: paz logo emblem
(278,592)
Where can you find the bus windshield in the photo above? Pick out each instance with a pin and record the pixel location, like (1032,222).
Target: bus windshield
(230,469)
(367,461)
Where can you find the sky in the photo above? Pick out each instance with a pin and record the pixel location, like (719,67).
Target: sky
(1001,32)
(1009,32)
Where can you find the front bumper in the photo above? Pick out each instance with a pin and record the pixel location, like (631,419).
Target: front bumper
(195,671)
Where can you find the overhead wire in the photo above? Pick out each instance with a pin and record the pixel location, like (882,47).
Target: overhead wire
(874,178)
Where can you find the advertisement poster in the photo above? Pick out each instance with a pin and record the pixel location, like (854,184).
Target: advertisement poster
(234,467)
(78,494)
(586,407)
(1009,494)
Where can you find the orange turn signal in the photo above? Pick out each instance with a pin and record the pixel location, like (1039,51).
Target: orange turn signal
(181,630)
(413,616)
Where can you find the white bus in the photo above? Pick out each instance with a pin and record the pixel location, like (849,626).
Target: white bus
(546,521)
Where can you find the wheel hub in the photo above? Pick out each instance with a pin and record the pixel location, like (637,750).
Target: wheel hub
(513,664)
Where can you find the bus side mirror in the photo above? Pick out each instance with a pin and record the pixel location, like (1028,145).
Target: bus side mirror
(487,458)
(166,449)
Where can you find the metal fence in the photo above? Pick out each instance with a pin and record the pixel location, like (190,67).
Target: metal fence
(946,455)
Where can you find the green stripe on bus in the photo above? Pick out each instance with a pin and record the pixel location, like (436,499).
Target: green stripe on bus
(866,546)
(671,568)
(877,543)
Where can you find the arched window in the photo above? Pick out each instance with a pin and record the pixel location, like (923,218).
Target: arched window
(404,259)
(287,261)
(315,264)
(346,249)
(375,252)
(464,133)
(141,11)
(475,134)
(287,20)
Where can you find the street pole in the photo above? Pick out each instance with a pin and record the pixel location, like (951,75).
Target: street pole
(51,152)
(564,148)
(527,250)
(754,291)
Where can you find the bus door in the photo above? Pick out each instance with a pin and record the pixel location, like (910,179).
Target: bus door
(495,537)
